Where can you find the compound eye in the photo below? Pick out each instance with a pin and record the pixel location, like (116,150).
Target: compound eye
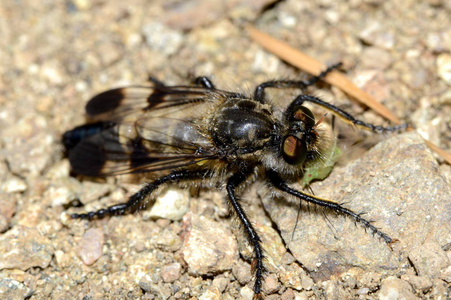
(294,150)
(304,114)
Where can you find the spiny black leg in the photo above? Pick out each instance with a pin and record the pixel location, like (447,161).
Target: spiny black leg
(234,182)
(344,115)
(278,182)
(155,81)
(259,94)
(205,82)
(138,198)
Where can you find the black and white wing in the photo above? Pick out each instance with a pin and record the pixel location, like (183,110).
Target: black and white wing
(141,129)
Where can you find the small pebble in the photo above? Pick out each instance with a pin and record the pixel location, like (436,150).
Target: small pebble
(90,247)
(242,272)
(171,273)
(208,247)
(288,295)
(271,284)
(23,248)
(429,259)
(172,204)
(444,67)
(395,288)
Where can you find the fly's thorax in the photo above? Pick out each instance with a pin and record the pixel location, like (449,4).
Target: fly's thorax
(242,125)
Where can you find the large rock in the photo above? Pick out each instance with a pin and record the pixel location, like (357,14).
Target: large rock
(397,184)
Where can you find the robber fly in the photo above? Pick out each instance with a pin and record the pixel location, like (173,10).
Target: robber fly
(200,135)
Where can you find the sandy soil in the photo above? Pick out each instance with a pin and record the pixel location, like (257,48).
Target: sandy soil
(55,55)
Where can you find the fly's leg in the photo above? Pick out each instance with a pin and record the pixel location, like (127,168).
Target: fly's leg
(205,82)
(252,235)
(259,93)
(348,118)
(280,184)
(202,81)
(138,199)
(156,81)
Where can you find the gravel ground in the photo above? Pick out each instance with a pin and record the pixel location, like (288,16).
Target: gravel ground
(55,55)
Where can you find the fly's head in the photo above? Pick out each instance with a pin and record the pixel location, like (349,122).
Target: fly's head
(300,143)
